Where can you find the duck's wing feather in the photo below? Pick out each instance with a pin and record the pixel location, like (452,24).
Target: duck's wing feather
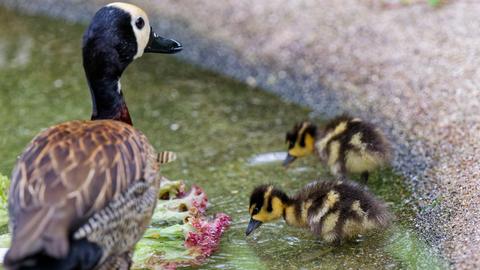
(67,173)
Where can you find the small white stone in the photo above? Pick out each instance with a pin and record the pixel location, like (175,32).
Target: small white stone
(58,83)
(174,126)
(251,81)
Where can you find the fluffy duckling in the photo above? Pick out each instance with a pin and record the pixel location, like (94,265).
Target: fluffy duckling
(333,210)
(345,144)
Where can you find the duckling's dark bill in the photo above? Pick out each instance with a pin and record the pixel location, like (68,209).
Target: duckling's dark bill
(289,159)
(158,44)
(252,226)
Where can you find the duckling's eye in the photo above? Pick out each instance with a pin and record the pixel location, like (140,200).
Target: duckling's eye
(140,23)
(255,211)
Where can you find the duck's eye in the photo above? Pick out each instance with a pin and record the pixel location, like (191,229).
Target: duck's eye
(255,210)
(140,23)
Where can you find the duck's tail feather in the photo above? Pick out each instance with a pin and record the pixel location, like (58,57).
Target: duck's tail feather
(166,157)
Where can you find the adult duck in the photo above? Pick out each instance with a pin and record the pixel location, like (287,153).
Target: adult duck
(83,192)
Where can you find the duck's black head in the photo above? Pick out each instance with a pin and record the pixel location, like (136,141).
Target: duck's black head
(118,34)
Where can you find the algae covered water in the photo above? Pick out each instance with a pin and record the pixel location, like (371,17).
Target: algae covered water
(217,127)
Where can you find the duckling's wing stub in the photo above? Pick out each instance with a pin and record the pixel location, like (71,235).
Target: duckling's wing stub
(68,173)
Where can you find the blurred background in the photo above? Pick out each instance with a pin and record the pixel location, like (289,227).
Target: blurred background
(409,66)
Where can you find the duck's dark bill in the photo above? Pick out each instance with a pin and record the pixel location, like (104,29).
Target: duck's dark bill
(289,159)
(158,44)
(252,226)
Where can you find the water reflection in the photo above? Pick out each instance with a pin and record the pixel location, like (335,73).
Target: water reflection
(267,158)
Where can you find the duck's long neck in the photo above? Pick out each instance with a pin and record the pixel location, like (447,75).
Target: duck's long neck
(103,67)
(107,99)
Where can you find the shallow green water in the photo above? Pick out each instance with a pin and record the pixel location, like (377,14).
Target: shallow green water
(213,123)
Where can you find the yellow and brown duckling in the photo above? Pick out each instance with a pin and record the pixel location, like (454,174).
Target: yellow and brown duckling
(332,210)
(345,144)
(83,192)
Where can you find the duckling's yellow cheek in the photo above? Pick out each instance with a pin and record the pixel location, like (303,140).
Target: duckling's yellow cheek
(299,151)
(263,216)
(276,213)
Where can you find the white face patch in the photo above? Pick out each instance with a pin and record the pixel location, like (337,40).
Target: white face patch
(141,35)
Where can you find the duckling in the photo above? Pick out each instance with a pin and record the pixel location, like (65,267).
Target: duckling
(83,192)
(332,210)
(345,144)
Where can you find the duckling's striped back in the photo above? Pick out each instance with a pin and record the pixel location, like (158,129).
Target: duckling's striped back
(342,209)
(351,145)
